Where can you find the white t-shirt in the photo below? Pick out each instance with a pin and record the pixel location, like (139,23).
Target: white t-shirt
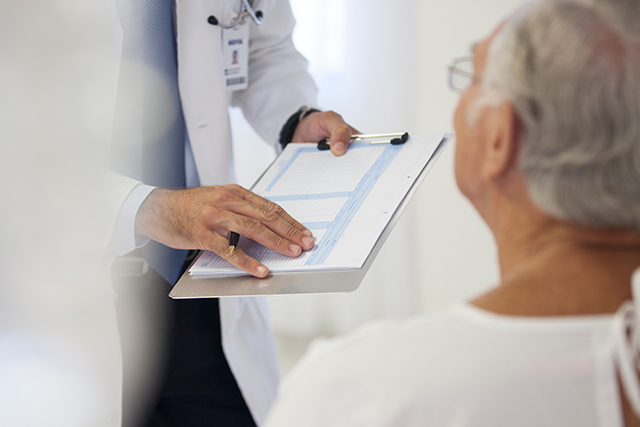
(461,367)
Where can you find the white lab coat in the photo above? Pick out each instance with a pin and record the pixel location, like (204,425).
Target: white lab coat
(278,85)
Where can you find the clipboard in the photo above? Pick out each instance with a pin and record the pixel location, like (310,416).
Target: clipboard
(311,282)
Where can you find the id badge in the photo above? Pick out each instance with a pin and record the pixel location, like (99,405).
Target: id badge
(235,50)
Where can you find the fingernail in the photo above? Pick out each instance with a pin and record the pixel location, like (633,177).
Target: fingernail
(295,248)
(307,233)
(308,241)
(261,270)
(341,147)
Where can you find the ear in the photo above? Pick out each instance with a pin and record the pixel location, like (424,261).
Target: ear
(501,147)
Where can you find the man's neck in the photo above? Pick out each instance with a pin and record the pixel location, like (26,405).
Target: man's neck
(553,268)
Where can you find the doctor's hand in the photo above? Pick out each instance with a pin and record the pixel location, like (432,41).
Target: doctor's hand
(319,125)
(202,218)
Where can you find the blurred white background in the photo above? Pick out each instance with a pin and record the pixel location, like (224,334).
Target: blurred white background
(59,350)
(382,65)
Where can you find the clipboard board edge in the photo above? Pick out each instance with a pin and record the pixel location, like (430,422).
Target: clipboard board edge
(316,282)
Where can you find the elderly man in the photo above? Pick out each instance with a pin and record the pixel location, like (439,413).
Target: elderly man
(548,152)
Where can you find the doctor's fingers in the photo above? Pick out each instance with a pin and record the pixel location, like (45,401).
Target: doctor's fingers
(339,133)
(253,229)
(333,126)
(320,125)
(220,245)
(266,228)
(271,215)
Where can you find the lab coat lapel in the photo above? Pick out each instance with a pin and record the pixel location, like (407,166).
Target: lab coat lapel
(202,91)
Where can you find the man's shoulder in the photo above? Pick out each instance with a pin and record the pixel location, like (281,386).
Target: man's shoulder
(390,348)
(383,362)
(429,367)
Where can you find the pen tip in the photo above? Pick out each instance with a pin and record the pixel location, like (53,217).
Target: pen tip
(231,249)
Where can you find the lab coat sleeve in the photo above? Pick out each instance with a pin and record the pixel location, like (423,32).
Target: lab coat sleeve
(119,200)
(279,83)
(124,238)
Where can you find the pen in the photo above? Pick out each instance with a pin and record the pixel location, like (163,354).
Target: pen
(233,241)
(378,135)
(396,138)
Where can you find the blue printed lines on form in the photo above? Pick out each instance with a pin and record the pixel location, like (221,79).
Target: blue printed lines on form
(320,196)
(287,166)
(355,199)
(303,150)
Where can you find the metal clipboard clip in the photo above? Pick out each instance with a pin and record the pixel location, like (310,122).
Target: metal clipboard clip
(397,138)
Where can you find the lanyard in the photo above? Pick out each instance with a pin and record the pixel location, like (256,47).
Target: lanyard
(246,9)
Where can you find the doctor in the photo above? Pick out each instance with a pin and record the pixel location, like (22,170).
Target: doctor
(172,152)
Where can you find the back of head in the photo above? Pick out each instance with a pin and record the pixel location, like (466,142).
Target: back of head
(572,72)
(621,13)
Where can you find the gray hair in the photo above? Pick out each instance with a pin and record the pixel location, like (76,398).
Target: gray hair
(571,69)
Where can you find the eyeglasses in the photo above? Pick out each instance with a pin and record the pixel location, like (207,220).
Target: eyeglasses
(461,73)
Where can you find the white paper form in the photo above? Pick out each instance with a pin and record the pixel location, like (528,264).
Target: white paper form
(345,201)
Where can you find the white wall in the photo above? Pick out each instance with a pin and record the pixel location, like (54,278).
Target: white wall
(454,249)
